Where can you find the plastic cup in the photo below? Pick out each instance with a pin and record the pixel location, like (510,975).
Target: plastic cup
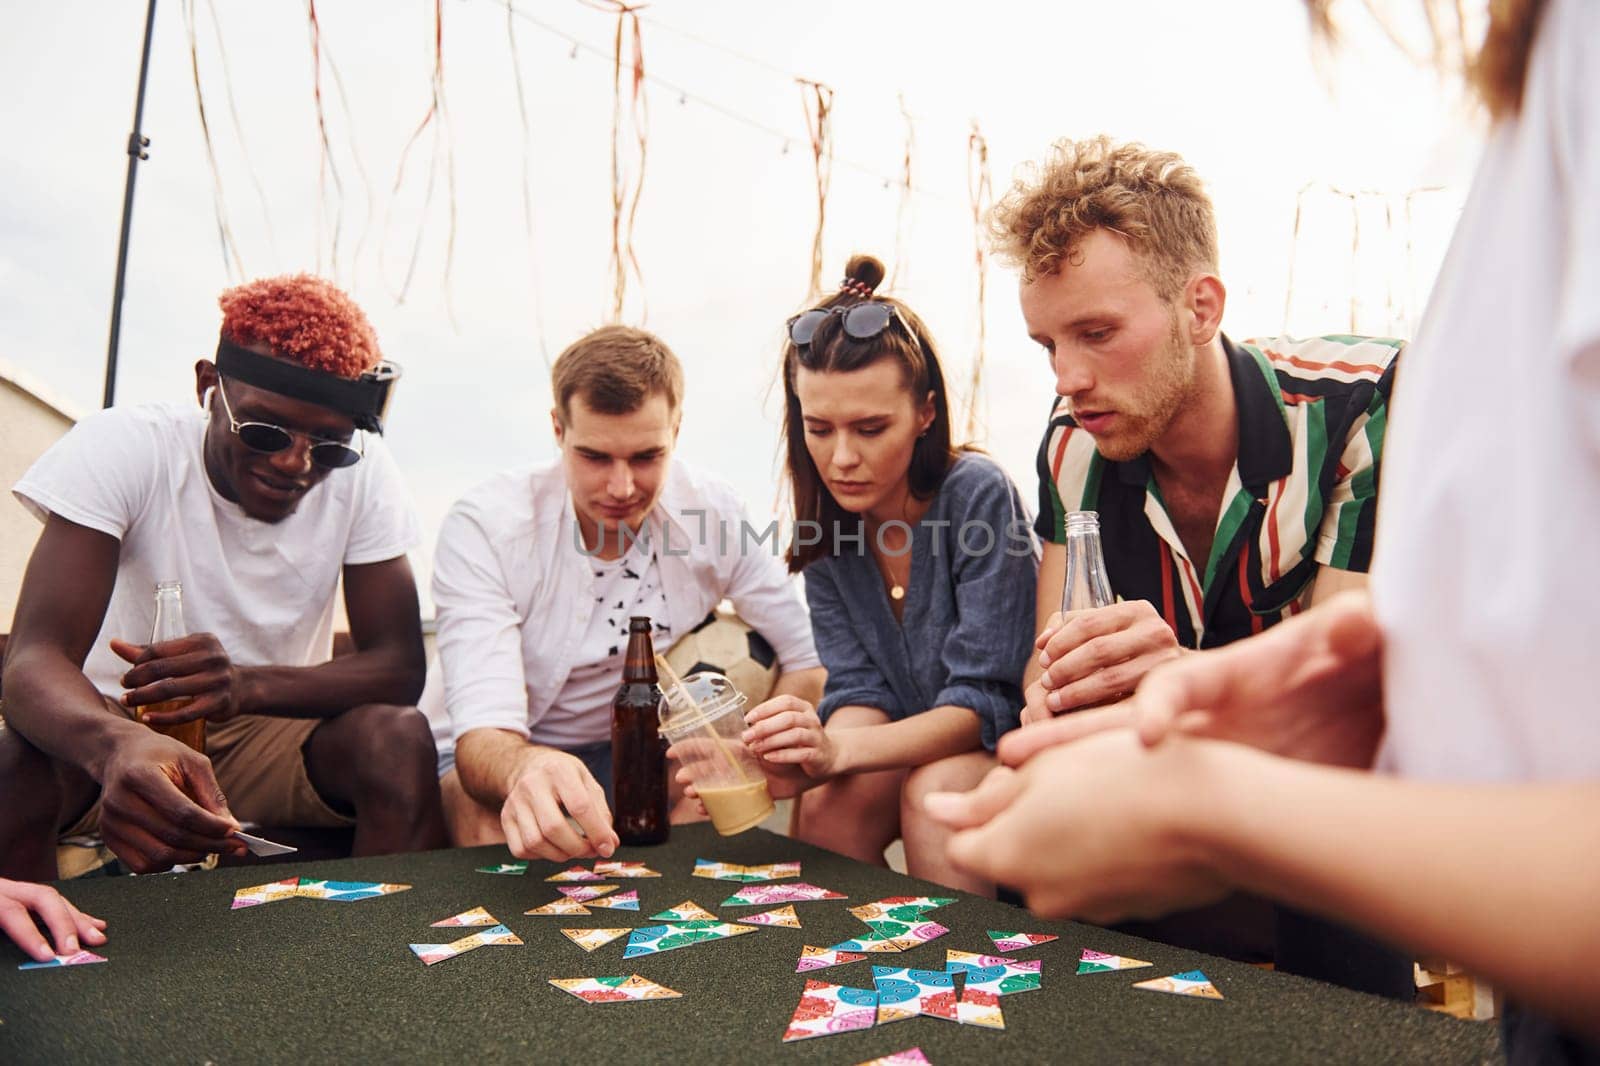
(703,716)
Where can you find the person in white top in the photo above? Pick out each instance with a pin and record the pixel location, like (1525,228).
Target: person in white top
(1424,763)
(258,504)
(536,575)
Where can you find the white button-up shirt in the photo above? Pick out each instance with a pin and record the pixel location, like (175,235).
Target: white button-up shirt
(512,587)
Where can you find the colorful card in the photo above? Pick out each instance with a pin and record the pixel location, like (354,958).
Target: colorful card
(254,896)
(687,911)
(651,939)
(1004,980)
(622,901)
(346,891)
(623,869)
(977,1007)
(970,960)
(821,958)
(899,908)
(564,907)
(476,916)
(1188,983)
(313,888)
(826,1009)
(906,935)
(505,868)
(573,873)
(870,944)
(767,895)
(1100,962)
(80,958)
(784,916)
(432,953)
(613,989)
(905,993)
(589,939)
(732,871)
(911,1056)
(584,893)
(1019,941)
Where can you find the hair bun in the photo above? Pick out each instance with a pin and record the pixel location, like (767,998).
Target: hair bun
(865,270)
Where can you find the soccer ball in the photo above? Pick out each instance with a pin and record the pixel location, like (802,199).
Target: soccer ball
(725,644)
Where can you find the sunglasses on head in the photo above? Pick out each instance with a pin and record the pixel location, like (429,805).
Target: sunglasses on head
(268,439)
(862,321)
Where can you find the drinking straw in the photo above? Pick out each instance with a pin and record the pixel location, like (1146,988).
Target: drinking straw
(666,670)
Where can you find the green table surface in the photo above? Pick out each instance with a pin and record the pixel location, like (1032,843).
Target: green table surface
(191,980)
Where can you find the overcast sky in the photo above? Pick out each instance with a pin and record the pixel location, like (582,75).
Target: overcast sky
(726,220)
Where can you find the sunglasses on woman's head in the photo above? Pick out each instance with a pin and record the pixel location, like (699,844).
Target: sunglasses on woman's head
(268,439)
(862,321)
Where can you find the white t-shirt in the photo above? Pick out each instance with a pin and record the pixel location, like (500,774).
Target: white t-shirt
(1487,568)
(622,588)
(265,590)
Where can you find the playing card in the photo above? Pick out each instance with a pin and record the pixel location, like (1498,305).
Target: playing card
(899,908)
(977,1007)
(589,939)
(905,993)
(732,871)
(613,989)
(783,916)
(254,896)
(1003,980)
(623,869)
(561,906)
(826,1009)
(622,901)
(263,846)
(906,935)
(970,960)
(80,958)
(651,939)
(767,895)
(1019,941)
(911,1056)
(869,944)
(574,873)
(1100,962)
(506,868)
(345,891)
(584,893)
(476,916)
(433,953)
(1188,983)
(687,911)
(821,958)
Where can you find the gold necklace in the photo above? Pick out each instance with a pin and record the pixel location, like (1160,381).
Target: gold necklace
(897,591)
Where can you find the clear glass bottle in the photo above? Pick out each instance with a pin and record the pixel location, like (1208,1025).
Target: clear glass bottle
(1086,583)
(169,625)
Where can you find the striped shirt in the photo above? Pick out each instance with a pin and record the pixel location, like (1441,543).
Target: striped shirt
(1303,492)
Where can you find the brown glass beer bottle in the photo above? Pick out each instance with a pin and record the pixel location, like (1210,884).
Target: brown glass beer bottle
(638,762)
(169,626)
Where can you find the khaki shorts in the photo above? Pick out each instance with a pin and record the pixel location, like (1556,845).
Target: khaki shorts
(262,770)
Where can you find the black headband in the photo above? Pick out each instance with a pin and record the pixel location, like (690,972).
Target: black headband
(364,399)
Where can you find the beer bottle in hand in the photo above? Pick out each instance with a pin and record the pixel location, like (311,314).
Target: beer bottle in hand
(169,626)
(638,763)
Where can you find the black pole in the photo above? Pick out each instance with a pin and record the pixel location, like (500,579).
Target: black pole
(137,143)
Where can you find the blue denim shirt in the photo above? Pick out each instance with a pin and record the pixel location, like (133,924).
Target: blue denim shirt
(967,627)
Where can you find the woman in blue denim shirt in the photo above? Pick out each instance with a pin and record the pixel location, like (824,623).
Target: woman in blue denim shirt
(919,570)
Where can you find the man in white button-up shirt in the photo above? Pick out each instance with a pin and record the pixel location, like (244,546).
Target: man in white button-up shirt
(536,574)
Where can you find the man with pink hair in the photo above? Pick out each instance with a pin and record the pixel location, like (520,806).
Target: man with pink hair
(259,505)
